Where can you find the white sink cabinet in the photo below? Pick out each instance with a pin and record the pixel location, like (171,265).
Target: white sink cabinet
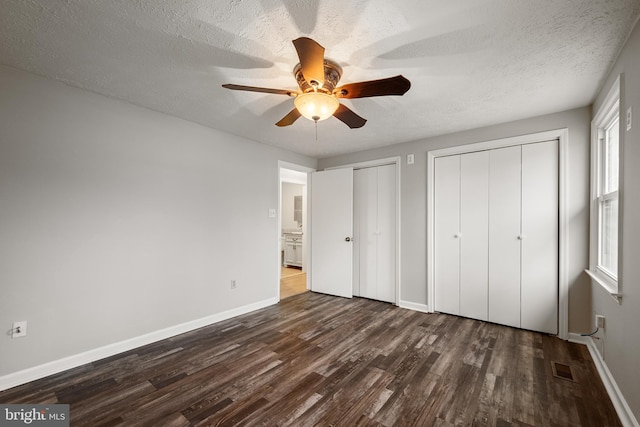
(292,249)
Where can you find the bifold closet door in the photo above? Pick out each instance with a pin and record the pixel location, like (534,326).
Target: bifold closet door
(364,219)
(386,234)
(375,233)
(474,234)
(539,301)
(496,236)
(447,234)
(504,235)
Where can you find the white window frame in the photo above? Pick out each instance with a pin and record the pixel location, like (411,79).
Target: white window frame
(607,114)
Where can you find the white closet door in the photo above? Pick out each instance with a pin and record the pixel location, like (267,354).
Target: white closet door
(504,232)
(332,230)
(386,233)
(365,219)
(474,240)
(375,233)
(358,182)
(539,303)
(447,230)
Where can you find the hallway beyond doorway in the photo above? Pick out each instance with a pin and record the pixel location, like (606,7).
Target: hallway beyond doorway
(293,281)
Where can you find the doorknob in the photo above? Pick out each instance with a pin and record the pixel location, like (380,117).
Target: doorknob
(348,239)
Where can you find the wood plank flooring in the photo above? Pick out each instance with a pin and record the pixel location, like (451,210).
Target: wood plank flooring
(317,360)
(293,281)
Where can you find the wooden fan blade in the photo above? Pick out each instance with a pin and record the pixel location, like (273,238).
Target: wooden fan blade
(259,89)
(348,117)
(311,56)
(397,85)
(289,119)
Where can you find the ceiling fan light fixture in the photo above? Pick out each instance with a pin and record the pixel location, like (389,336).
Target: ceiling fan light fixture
(316,106)
(319,95)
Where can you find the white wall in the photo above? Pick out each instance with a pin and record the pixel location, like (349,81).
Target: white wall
(117,221)
(289,191)
(620,341)
(414,201)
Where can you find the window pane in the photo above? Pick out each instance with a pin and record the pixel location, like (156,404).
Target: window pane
(610,153)
(609,236)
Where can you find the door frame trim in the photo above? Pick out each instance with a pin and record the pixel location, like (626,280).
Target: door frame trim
(397,161)
(562,135)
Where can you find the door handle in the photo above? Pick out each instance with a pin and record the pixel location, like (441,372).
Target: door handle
(348,239)
(457,235)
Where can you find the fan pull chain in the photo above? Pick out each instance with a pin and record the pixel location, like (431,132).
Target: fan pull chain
(316,122)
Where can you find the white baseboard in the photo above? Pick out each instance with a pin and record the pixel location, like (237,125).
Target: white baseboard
(56,366)
(619,403)
(414,306)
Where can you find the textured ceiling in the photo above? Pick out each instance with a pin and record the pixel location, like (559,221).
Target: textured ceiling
(472,63)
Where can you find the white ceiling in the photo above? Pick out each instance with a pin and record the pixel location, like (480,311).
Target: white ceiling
(471,63)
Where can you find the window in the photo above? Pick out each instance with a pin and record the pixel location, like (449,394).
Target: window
(605,172)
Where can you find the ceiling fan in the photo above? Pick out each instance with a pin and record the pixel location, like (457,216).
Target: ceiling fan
(318,97)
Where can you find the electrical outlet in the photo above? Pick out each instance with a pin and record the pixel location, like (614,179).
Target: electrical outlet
(233,284)
(410,159)
(599,321)
(19,329)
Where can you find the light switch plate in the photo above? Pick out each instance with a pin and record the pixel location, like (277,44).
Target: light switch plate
(272,213)
(629,119)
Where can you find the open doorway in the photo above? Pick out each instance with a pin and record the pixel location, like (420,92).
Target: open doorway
(293,236)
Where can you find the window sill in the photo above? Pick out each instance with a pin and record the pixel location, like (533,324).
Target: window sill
(595,278)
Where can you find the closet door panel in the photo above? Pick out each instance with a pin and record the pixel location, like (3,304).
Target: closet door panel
(504,230)
(447,228)
(386,233)
(365,223)
(359,182)
(539,303)
(474,241)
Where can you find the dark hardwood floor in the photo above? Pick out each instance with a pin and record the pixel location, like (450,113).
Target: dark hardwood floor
(319,360)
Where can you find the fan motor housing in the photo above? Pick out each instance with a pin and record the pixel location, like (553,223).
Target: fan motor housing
(332,74)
